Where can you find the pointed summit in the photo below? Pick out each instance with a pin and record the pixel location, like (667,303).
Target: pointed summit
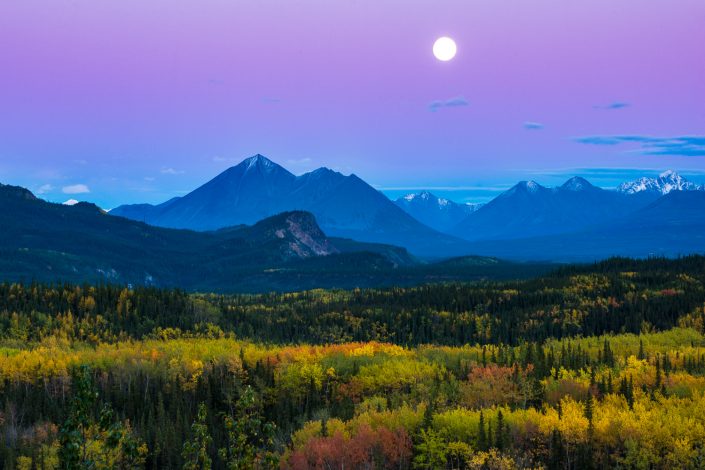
(258,162)
(524,187)
(577,183)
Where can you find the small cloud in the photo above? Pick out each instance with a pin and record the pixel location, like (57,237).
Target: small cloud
(299,166)
(171,171)
(70,202)
(75,189)
(450,103)
(598,140)
(533,126)
(300,162)
(219,159)
(149,178)
(45,188)
(271,100)
(81,162)
(613,105)
(684,146)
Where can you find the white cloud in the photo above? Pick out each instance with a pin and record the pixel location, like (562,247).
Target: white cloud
(70,202)
(533,126)
(302,162)
(171,171)
(449,103)
(45,188)
(219,159)
(76,189)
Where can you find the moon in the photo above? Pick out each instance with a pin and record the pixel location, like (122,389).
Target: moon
(444,49)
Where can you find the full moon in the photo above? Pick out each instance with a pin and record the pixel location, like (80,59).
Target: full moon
(444,49)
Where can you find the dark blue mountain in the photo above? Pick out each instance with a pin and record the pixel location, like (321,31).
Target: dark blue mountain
(344,206)
(436,212)
(81,243)
(41,241)
(672,225)
(529,209)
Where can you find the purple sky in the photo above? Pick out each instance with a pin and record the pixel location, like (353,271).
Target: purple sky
(142,100)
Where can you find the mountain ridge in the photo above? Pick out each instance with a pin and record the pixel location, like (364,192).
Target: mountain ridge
(672,225)
(43,240)
(438,213)
(344,206)
(530,209)
(50,242)
(665,183)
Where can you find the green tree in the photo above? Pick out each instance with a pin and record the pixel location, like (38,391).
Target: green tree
(72,435)
(195,450)
(85,444)
(250,439)
(481,436)
(430,451)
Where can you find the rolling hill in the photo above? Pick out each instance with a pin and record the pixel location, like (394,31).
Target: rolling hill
(50,242)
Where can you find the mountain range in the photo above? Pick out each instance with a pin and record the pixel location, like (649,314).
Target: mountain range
(258,227)
(78,243)
(46,241)
(529,209)
(427,225)
(665,183)
(344,206)
(438,213)
(672,225)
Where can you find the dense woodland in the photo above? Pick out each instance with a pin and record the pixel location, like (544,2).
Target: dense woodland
(599,366)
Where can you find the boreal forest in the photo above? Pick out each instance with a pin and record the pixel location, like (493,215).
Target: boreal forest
(591,366)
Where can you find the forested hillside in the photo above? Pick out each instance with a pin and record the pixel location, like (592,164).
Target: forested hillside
(598,366)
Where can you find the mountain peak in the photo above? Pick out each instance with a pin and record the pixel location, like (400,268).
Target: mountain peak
(258,160)
(577,183)
(298,232)
(255,165)
(323,171)
(529,186)
(423,195)
(666,182)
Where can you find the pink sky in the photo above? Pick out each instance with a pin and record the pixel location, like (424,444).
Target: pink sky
(139,100)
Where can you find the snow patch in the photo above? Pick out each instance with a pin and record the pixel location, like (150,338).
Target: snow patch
(666,182)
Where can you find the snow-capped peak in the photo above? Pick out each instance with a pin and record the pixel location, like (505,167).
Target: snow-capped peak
(576,183)
(530,186)
(258,161)
(423,195)
(666,182)
(427,198)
